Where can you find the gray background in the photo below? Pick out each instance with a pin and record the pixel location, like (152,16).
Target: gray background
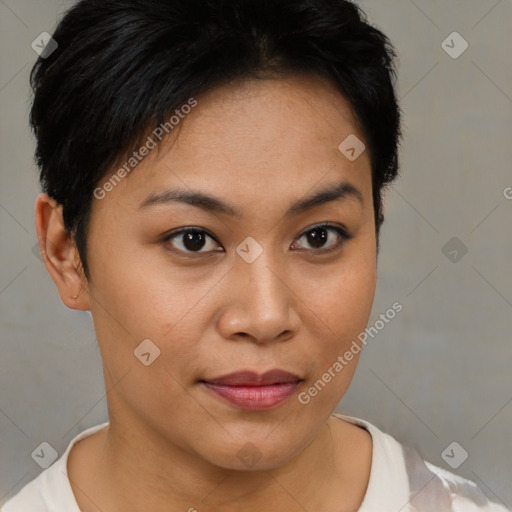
(439,372)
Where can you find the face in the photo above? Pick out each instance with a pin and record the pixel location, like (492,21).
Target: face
(253,286)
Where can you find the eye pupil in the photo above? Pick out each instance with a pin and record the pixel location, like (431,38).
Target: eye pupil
(193,240)
(315,239)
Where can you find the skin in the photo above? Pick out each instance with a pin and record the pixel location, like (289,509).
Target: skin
(172,444)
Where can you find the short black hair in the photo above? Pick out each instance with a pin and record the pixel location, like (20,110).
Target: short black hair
(123,66)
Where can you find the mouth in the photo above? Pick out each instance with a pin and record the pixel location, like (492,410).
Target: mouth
(252,391)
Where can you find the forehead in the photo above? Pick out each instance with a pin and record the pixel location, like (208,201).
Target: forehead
(273,114)
(256,137)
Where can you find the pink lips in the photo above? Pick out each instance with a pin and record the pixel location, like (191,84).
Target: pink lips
(251,391)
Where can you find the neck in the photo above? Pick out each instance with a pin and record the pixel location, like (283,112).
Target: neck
(140,471)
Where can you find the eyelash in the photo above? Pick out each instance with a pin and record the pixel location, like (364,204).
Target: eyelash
(343,234)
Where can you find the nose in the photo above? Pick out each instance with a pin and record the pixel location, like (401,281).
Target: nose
(261,304)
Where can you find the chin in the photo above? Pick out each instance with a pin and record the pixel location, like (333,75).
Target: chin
(246,455)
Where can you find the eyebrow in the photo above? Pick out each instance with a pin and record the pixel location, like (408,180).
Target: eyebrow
(335,192)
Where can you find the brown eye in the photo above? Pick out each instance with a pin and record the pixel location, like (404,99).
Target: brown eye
(324,238)
(191,240)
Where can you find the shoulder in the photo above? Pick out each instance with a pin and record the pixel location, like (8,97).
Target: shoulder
(50,490)
(33,495)
(465,494)
(28,498)
(401,479)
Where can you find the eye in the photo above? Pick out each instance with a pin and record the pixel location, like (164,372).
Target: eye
(319,235)
(191,240)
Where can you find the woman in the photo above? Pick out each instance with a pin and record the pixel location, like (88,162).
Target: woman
(213,175)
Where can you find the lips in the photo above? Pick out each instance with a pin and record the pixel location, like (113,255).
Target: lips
(249,378)
(251,391)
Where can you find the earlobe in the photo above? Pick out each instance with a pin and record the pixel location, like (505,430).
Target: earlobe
(59,253)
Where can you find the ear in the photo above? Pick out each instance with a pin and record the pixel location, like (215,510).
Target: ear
(59,254)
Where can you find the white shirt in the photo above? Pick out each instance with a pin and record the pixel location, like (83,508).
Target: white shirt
(400,481)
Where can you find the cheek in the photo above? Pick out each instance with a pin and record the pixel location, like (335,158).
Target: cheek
(344,300)
(128,287)
(342,308)
(146,302)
